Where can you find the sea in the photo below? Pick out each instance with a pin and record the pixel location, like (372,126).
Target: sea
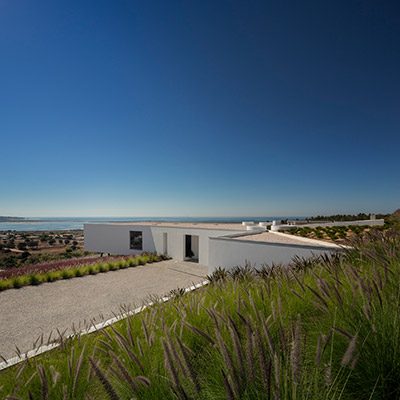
(71,223)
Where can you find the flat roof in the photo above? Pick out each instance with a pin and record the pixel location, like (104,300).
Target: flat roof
(272,237)
(202,225)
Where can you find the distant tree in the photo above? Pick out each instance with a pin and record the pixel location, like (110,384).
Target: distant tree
(8,262)
(44,237)
(75,243)
(66,241)
(60,241)
(33,244)
(21,246)
(51,242)
(25,255)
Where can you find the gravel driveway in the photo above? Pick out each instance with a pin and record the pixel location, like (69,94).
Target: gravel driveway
(29,312)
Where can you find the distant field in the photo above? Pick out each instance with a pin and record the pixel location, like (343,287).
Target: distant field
(31,247)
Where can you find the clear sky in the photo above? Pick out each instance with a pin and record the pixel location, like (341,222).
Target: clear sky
(199,108)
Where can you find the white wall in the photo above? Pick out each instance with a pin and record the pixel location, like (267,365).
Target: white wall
(176,240)
(115,239)
(228,253)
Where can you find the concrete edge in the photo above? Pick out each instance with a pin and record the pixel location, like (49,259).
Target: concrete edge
(309,240)
(43,349)
(311,246)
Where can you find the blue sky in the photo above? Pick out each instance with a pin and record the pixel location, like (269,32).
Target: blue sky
(199,108)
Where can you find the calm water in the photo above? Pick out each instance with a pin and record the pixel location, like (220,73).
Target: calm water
(60,224)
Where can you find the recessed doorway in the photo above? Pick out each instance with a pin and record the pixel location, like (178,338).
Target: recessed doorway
(191,250)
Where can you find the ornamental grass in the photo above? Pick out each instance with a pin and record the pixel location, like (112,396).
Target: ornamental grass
(326,328)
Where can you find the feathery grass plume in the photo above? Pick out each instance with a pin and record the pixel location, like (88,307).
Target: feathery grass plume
(265,365)
(105,352)
(139,346)
(238,351)
(294,274)
(126,377)
(282,337)
(318,296)
(354,362)
(142,379)
(296,294)
(249,349)
(103,380)
(187,359)
(146,333)
(348,355)
(280,306)
(228,387)
(367,311)
(328,375)
(70,361)
(78,367)
(173,351)
(277,375)
(268,336)
(377,293)
(343,332)
(123,341)
(61,339)
(124,346)
(226,356)
(319,351)
(43,381)
(211,315)
(103,342)
(55,375)
(199,332)
(30,379)
(20,370)
(295,355)
(65,392)
(169,363)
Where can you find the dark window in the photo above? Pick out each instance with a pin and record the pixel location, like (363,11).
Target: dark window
(136,240)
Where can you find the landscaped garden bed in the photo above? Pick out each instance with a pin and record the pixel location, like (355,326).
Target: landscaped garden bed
(66,269)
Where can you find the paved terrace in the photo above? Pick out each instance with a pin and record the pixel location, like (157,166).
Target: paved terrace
(28,312)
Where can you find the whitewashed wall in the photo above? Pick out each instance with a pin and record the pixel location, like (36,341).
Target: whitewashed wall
(115,239)
(176,240)
(228,253)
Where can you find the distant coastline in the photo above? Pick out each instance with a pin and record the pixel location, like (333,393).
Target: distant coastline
(73,223)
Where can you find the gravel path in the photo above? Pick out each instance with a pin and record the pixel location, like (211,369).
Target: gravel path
(29,312)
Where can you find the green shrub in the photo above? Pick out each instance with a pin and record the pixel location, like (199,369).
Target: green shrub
(49,277)
(111,266)
(4,284)
(131,262)
(77,272)
(33,279)
(90,270)
(16,283)
(66,274)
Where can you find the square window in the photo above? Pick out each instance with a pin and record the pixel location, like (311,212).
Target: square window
(136,240)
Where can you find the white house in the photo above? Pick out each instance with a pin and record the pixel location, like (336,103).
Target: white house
(214,245)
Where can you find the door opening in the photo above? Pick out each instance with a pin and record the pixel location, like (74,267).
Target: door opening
(191,248)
